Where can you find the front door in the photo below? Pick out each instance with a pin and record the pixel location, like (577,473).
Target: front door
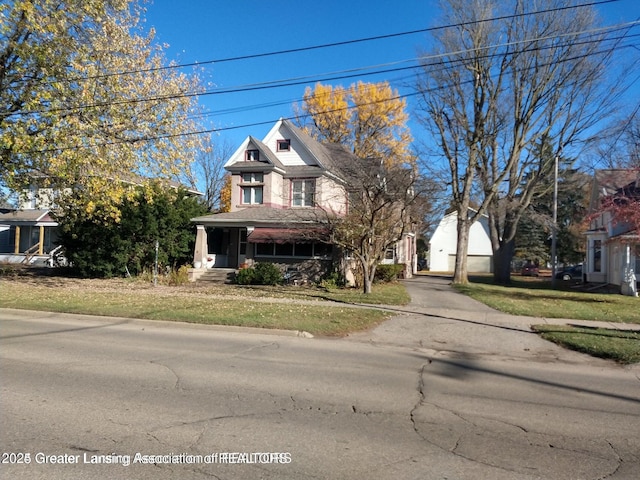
(242,246)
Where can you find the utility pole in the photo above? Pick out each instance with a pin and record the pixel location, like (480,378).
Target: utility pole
(155,267)
(554,229)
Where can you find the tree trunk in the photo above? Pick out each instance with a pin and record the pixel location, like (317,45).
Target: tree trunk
(368,276)
(502,257)
(460,274)
(367,285)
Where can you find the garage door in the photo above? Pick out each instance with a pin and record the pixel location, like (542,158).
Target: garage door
(475,263)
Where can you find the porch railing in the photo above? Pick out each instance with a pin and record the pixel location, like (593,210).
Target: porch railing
(30,252)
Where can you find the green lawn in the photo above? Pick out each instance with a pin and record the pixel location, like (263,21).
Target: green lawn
(308,309)
(328,312)
(621,346)
(535,297)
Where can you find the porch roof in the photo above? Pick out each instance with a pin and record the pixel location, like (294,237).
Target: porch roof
(28,217)
(264,216)
(284,235)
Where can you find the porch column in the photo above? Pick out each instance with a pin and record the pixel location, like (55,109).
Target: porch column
(628,284)
(41,241)
(201,250)
(16,249)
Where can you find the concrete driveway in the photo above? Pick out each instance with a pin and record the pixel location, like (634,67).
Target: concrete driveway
(441,321)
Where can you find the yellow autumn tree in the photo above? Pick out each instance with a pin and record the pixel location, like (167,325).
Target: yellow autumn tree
(225,195)
(87,102)
(369,118)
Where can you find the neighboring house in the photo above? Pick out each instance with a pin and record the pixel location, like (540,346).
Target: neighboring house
(27,236)
(442,246)
(613,247)
(282,187)
(29,233)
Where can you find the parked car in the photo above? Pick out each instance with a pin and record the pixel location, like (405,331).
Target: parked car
(570,273)
(530,270)
(422,264)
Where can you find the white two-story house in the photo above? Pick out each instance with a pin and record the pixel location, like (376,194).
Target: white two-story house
(613,247)
(282,187)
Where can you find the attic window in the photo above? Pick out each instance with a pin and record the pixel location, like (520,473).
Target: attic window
(252,155)
(284,145)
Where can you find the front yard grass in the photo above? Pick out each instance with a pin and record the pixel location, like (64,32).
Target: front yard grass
(619,345)
(290,308)
(536,298)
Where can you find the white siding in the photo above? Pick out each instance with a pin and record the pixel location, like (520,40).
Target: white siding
(296,156)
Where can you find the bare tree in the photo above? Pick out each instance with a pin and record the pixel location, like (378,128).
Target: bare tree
(210,172)
(507,78)
(619,145)
(384,203)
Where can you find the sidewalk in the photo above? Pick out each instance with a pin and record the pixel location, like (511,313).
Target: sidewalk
(435,294)
(440,319)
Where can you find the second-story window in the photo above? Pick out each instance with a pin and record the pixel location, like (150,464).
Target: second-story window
(251,186)
(303,193)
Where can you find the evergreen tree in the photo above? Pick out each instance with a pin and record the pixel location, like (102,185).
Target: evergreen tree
(97,248)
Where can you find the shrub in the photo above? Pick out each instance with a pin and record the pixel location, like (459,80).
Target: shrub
(268,274)
(166,275)
(179,276)
(108,248)
(260,274)
(389,272)
(333,280)
(246,276)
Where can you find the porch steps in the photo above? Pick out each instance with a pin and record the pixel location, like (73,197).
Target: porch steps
(217,275)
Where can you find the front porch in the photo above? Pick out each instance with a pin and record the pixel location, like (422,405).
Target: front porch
(28,236)
(297,253)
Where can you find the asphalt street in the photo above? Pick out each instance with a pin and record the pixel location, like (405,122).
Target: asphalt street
(447,389)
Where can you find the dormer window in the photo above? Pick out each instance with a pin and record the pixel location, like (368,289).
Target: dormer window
(252,155)
(284,145)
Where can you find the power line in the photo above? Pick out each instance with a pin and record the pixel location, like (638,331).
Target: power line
(350,73)
(342,43)
(270,122)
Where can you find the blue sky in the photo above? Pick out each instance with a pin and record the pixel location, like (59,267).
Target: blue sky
(205,30)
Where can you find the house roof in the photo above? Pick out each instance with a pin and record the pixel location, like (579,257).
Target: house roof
(27,217)
(266,216)
(332,157)
(329,159)
(609,181)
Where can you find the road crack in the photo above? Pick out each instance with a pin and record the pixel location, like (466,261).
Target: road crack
(420,402)
(274,345)
(178,385)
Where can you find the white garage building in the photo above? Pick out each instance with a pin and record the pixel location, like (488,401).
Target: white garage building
(442,246)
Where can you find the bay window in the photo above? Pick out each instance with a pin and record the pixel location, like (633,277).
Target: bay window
(252,187)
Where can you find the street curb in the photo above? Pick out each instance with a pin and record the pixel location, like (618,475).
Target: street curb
(157,323)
